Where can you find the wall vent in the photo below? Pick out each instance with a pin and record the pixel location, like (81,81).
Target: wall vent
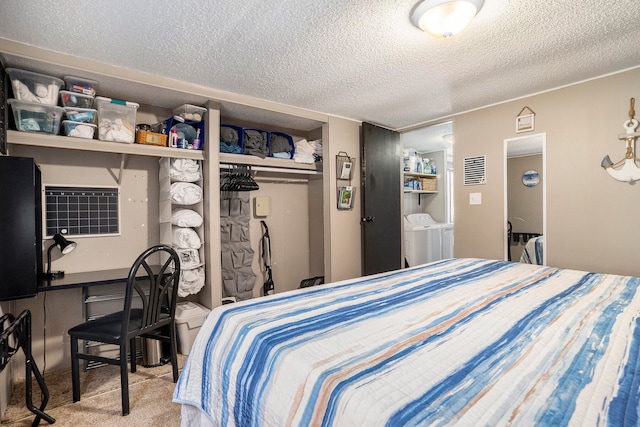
(474,170)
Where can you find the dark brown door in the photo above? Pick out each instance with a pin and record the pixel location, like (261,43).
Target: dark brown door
(381,186)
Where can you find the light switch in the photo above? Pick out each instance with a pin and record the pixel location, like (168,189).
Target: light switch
(475,198)
(261,206)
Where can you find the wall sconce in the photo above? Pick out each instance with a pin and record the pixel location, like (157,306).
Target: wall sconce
(445,18)
(629,172)
(65,246)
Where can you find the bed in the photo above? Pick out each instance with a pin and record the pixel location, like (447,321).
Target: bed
(464,342)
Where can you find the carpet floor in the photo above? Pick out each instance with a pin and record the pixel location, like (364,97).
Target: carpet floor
(150,394)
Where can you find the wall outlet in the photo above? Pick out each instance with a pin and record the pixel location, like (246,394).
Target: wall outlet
(261,206)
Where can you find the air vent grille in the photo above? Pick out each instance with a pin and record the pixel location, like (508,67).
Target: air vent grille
(474,170)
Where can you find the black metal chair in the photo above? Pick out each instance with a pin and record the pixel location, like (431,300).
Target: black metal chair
(152,321)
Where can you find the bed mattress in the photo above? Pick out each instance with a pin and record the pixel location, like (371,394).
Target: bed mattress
(465,342)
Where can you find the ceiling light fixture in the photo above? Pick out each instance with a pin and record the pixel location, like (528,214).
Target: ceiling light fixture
(445,18)
(448,138)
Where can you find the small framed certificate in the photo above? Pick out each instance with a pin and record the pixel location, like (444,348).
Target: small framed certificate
(525,123)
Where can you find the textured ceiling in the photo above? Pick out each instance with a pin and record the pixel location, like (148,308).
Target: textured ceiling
(359,59)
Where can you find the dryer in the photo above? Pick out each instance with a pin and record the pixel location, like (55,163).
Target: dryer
(426,240)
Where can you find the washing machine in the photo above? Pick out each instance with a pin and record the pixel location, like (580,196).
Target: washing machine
(426,240)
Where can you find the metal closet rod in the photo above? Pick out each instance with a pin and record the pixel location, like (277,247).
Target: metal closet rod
(266,180)
(270,169)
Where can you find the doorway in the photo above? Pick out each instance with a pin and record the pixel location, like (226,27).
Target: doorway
(525,190)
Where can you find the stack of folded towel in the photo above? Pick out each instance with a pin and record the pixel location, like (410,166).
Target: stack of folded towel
(308,151)
(185,220)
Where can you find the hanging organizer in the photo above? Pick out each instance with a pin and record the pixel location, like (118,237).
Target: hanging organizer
(238,278)
(182,219)
(345,166)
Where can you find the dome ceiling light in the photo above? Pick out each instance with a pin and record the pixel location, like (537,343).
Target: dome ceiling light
(445,18)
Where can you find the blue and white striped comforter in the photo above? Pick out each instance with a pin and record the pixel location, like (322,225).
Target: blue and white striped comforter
(458,342)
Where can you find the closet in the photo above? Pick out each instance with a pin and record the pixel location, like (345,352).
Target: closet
(301,219)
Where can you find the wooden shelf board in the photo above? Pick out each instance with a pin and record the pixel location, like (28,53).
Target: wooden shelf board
(424,175)
(69,143)
(268,162)
(420,192)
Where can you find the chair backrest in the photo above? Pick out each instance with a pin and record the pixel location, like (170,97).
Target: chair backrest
(163,286)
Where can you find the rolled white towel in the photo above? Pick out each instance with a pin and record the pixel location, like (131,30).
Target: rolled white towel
(189,258)
(191,281)
(185,238)
(186,218)
(187,170)
(185,193)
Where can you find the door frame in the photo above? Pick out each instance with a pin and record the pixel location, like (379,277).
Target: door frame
(543,140)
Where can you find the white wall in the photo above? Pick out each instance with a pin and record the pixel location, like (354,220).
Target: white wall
(288,223)
(342,234)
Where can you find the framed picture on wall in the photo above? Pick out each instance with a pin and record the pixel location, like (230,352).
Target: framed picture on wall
(525,123)
(345,197)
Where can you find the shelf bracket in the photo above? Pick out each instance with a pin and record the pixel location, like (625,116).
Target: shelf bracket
(123,162)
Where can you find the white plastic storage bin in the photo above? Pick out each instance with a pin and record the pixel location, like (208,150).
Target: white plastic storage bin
(35,117)
(189,319)
(116,120)
(33,87)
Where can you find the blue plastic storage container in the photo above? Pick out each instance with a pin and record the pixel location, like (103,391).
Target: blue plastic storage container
(224,147)
(288,137)
(265,136)
(197,126)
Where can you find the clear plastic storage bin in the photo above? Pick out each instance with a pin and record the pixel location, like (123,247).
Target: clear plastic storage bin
(190,113)
(73,99)
(116,120)
(80,85)
(33,87)
(87,115)
(78,129)
(35,117)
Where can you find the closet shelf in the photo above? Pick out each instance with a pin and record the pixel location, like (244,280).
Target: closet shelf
(270,162)
(424,175)
(420,191)
(69,143)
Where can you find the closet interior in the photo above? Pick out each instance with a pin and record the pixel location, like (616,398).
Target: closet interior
(295,191)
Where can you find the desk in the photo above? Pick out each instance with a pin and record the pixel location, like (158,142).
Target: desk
(91,279)
(88,279)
